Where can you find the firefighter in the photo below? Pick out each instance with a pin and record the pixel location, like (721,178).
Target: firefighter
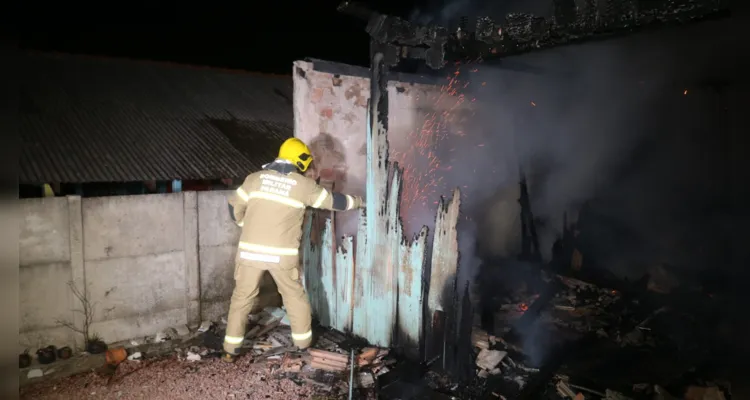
(270,208)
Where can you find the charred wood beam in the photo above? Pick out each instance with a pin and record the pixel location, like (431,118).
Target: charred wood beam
(529,240)
(574,21)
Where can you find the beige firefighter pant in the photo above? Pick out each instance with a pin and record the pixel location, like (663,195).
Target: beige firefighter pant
(248,277)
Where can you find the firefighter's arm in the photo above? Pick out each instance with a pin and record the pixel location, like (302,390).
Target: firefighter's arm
(238,203)
(320,197)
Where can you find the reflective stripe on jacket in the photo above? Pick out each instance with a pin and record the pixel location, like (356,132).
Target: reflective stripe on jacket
(270,208)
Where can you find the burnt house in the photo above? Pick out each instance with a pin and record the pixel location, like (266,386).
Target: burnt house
(97,126)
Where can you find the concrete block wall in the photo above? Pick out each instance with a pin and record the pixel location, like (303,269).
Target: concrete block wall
(147,262)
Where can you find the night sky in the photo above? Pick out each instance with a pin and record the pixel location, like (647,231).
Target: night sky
(258,36)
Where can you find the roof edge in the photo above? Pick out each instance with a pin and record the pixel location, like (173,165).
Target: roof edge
(336,68)
(169,64)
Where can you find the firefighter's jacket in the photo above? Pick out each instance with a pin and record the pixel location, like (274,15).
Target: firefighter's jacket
(270,208)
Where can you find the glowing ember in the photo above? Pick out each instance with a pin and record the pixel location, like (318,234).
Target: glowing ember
(685,92)
(523,307)
(423,182)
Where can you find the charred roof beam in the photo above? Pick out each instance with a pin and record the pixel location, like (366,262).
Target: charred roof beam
(574,21)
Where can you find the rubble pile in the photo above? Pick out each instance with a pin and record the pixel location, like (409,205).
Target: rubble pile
(268,340)
(327,367)
(593,331)
(493,360)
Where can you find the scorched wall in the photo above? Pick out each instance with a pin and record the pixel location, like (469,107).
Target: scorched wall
(330,110)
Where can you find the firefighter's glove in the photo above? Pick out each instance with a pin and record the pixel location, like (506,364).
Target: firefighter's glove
(358,202)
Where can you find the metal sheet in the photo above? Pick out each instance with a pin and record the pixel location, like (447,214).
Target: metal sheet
(91,119)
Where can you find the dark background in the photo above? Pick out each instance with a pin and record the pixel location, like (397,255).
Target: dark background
(260,36)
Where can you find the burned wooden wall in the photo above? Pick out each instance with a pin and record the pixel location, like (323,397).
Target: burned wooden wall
(375,287)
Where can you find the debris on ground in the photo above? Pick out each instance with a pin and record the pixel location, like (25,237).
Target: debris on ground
(181,330)
(165,334)
(488,359)
(592,328)
(205,326)
(193,356)
(167,378)
(35,373)
(584,322)
(329,361)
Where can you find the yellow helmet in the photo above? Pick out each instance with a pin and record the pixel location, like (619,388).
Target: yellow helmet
(296,152)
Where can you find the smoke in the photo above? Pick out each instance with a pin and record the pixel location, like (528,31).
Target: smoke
(583,123)
(442,16)
(623,125)
(447,13)
(625,129)
(628,133)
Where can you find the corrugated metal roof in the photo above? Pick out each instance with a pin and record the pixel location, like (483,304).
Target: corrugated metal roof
(90,119)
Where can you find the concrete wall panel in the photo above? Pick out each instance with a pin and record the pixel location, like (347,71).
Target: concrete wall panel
(129,287)
(215,227)
(214,310)
(149,262)
(122,226)
(138,326)
(43,236)
(58,336)
(217,272)
(43,295)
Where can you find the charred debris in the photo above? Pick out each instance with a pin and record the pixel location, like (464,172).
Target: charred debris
(482,37)
(566,330)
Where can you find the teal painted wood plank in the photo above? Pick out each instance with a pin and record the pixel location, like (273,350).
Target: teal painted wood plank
(345,274)
(311,263)
(360,280)
(374,284)
(375,299)
(327,293)
(411,294)
(444,261)
(395,239)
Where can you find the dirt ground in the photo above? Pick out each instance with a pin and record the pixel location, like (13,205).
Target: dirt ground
(170,378)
